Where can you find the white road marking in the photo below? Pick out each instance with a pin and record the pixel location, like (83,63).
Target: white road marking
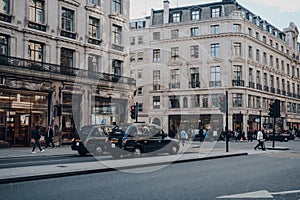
(287,192)
(258,194)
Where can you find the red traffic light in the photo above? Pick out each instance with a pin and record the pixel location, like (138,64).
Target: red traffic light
(133,112)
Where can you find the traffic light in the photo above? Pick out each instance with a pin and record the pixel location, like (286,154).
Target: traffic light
(277,108)
(272,109)
(132,112)
(222,103)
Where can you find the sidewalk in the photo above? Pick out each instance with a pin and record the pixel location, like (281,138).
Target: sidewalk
(26,151)
(189,152)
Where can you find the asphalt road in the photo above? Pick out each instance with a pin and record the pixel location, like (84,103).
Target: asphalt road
(264,175)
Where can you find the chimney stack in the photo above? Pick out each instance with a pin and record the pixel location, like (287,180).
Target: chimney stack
(166,11)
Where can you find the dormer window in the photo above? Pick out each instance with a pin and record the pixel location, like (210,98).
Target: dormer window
(250,18)
(176,17)
(195,15)
(270,29)
(215,12)
(264,26)
(257,21)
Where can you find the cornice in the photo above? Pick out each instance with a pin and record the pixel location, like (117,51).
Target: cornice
(71,2)
(174,63)
(118,53)
(237,59)
(194,62)
(37,33)
(8,26)
(94,9)
(215,60)
(71,41)
(117,17)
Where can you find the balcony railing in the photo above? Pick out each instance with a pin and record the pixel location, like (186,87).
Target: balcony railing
(272,90)
(68,34)
(266,88)
(7,61)
(251,85)
(214,83)
(295,95)
(278,91)
(259,86)
(238,83)
(40,27)
(174,85)
(194,84)
(5,18)
(94,41)
(117,47)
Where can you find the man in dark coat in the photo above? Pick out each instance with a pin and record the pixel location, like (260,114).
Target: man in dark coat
(36,135)
(49,137)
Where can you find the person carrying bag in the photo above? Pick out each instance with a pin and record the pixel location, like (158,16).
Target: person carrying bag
(261,140)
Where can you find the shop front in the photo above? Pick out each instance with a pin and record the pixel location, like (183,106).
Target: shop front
(237,122)
(20,111)
(70,113)
(213,123)
(108,111)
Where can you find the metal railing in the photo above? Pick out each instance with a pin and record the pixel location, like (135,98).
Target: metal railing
(238,83)
(9,61)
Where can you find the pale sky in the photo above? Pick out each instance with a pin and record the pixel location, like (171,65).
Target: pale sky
(279,13)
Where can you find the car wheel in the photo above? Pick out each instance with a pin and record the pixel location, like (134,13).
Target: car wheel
(98,150)
(82,153)
(173,150)
(137,152)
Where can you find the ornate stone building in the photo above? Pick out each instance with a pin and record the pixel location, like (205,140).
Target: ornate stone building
(185,58)
(64,63)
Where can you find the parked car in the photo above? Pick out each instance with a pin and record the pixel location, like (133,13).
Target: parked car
(139,138)
(92,139)
(284,136)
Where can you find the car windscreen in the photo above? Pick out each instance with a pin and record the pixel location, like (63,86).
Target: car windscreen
(84,131)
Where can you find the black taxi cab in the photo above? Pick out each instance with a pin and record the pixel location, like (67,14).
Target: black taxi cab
(92,139)
(139,138)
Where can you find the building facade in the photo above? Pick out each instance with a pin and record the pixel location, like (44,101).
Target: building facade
(184,59)
(64,63)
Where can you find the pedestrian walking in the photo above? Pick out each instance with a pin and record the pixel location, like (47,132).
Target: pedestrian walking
(260,139)
(49,137)
(36,135)
(183,136)
(250,136)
